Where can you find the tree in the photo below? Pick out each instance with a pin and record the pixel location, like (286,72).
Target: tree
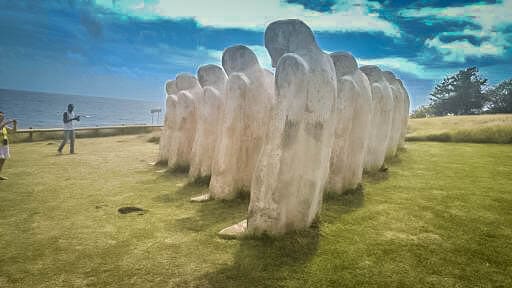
(500,97)
(460,94)
(423,111)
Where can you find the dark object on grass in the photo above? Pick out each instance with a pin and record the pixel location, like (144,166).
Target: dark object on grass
(202,180)
(180,169)
(129,209)
(154,139)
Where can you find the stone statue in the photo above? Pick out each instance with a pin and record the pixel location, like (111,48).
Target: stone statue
(397,117)
(405,114)
(169,119)
(172,140)
(210,109)
(186,112)
(292,169)
(248,100)
(353,108)
(381,118)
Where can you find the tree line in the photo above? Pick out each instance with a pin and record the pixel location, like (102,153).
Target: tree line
(467,93)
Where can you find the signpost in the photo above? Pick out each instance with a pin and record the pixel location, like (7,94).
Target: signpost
(157,111)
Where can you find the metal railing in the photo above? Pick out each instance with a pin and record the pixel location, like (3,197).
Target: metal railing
(97,129)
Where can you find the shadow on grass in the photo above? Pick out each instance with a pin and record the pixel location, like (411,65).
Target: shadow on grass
(375,177)
(154,139)
(212,216)
(257,262)
(336,205)
(180,189)
(265,261)
(352,198)
(202,180)
(180,169)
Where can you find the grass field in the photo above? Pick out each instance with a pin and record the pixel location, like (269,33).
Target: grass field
(496,128)
(441,217)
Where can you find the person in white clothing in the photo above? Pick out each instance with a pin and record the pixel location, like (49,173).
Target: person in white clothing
(69,131)
(4,144)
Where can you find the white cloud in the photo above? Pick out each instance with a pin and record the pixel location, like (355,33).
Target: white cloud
(459,50)
(493,19)
(353,15)
(488,16)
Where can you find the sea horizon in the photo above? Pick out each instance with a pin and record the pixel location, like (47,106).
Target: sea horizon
(36,109)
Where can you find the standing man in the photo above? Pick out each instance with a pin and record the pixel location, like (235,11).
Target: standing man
(4,146)
(69,130)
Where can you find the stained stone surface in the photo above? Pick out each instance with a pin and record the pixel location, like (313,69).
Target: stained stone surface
(210,109)
(292,170)
(186,112)
(353,109)
(169,120)
(381,118)
(248,101)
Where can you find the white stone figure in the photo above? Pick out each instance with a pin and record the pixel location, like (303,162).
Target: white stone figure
(172,139)
(397,116)
(381,118)
(189,92)
(353,108)
(405,114)
(248,100)
(172,121)
(210,108)
(292,170)
(169,118)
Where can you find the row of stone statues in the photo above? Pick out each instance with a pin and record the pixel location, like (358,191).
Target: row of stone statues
(312,128)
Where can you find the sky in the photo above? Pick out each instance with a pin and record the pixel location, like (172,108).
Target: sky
(129,48)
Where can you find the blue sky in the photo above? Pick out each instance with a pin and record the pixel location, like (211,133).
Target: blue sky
(129,48)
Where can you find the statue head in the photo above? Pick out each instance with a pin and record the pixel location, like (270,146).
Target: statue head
(344,63)
(389,77)
(170,87)
(238,58)
(288,36)
(186,81)
(373,73)
(211,75)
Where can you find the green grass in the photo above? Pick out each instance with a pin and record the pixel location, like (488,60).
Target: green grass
(473,129)
(440,217)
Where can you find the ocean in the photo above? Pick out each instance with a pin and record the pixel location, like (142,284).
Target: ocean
(44,110)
